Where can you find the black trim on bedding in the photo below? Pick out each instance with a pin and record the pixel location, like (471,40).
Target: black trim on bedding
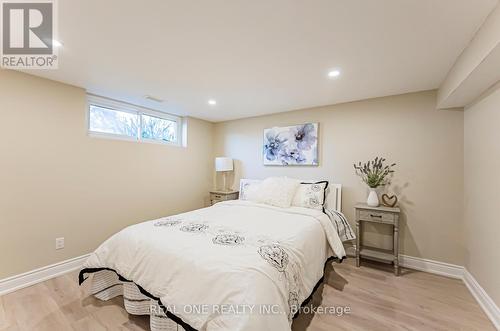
(324,191)
(173,317)
(81,278)
(318,284)
(177,319)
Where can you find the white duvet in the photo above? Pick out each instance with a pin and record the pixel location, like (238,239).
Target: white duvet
(237,265)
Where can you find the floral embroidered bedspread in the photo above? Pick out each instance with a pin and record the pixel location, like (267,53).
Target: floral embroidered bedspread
(237,265)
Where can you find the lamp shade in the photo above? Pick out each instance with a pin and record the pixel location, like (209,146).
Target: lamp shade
(223,164)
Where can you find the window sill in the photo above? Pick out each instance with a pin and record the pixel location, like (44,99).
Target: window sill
(111,136)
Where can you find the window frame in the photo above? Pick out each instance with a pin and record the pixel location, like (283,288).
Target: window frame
(102,102)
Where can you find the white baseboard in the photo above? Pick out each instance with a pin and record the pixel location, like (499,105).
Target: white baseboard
(459,272)
(417,263)
(33,277)
(484,300)
(431,266)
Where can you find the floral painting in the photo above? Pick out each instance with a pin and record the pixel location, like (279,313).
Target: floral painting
(291,145)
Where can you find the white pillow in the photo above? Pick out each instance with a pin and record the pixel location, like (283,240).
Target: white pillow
(311,195)
(252,192)
(245,185)
(274,191)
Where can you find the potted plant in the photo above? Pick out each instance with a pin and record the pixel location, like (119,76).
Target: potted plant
(374,173)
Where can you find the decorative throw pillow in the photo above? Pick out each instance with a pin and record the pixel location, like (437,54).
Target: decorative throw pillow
(245,185)
(311,195)
(274,191)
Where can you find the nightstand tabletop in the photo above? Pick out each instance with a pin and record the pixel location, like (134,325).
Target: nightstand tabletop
(379,208)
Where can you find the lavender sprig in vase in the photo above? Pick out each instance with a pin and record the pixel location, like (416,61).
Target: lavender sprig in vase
(374,173)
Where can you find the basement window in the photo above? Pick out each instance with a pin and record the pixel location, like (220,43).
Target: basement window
(119,120)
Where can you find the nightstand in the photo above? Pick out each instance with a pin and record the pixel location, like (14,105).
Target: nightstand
(218,196)
(380,215)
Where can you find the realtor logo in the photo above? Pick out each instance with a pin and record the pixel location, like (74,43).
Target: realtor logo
(28,34)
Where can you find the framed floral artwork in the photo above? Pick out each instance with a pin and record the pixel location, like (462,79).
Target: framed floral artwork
(291,145)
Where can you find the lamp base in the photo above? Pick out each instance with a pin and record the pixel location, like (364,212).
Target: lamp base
(224,187)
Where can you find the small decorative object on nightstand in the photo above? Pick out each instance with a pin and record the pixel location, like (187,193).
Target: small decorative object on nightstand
(374,174)
(382,215)
(218,196)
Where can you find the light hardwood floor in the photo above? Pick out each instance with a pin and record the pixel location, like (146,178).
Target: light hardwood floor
(377,299)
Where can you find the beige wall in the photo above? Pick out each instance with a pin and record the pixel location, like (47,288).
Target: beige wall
(426,144)
(482,192)
(55,181)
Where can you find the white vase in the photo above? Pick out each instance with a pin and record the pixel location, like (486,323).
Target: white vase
(372,200)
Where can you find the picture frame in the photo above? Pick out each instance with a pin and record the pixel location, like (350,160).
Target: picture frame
(291,145)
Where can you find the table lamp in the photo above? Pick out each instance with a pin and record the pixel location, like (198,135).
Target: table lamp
(224,164)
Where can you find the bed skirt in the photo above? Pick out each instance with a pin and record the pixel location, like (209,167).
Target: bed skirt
(106,285)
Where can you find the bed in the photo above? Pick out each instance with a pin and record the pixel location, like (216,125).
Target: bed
(238,265)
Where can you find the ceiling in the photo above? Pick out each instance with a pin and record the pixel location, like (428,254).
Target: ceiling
(259,57)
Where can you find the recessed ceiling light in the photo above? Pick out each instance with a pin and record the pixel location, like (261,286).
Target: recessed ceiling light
(212,102)
(334,73)
(56,43)
(152,98)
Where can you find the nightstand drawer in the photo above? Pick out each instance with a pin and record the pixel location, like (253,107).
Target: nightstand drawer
(376,216)
(223,197)
(216,197)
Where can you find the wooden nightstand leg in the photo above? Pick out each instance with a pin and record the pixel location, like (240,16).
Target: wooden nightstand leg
(396,248)
(358,242)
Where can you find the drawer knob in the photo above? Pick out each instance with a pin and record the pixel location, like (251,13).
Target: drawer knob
(379,216)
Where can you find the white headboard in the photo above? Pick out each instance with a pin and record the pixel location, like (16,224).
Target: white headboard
(333,196)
